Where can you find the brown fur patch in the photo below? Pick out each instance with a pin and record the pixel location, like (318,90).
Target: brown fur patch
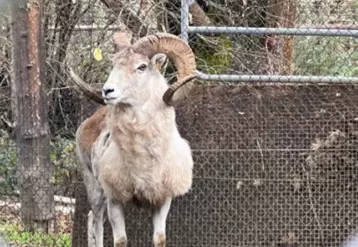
(142,202)
(92,128)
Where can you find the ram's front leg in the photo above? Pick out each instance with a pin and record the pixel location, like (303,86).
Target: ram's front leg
(98,205)
(116,218)
(95,226)
(159,222)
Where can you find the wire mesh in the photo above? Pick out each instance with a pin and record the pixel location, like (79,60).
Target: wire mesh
(275,161)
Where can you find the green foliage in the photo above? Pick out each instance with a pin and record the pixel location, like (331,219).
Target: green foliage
(7,166)
(17,236)
(63,159)
(334,56)
(326,56)
(63,163)
(216,59)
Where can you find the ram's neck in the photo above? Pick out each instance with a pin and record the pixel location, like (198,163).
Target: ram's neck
(142,131)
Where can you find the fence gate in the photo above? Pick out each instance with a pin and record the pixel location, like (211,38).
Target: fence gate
(276,148)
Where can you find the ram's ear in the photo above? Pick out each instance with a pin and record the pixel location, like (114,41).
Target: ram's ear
(159,61)
(122,40)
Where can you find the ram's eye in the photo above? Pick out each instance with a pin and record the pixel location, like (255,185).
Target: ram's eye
(142,67)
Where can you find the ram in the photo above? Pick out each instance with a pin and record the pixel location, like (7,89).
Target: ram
(130,150)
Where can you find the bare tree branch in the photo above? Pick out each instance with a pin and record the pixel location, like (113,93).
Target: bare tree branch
(143,20)
(128,16)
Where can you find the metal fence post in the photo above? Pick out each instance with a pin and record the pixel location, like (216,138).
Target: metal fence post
(184,20)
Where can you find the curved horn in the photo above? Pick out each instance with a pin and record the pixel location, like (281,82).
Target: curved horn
(182,56)
(87,90)
(122,40)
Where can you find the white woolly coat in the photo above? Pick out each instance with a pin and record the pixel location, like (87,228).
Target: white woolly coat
(141,156)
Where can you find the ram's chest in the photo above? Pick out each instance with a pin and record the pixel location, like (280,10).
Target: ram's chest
(140,145)
(133,164)
(128,176)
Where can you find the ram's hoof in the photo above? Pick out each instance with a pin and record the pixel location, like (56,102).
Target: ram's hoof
(122,242)
(159,240)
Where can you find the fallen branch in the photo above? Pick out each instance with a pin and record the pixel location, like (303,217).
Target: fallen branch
(65,200)
(59,199)
(15,207)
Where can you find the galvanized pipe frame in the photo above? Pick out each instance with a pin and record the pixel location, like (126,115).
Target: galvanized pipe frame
(278,78)
(331,32)
(275,31)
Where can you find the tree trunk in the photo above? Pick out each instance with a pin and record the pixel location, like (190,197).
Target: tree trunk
(281,14)
(82,208)
(32,129)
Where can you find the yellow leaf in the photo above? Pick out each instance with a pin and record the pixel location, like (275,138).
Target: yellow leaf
(98,54)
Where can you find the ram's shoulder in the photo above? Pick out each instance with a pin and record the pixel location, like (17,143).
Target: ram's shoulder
(91,128)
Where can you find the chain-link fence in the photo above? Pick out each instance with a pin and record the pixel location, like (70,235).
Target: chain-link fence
(272,119)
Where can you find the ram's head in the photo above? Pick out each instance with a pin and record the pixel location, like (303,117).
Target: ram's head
(135,64)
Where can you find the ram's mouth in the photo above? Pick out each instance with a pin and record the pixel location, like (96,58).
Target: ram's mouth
(111,100)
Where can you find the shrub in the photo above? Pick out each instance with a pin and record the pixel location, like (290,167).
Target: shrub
(16,236)
(62,158)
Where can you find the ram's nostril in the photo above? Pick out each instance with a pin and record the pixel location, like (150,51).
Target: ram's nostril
(107,90)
